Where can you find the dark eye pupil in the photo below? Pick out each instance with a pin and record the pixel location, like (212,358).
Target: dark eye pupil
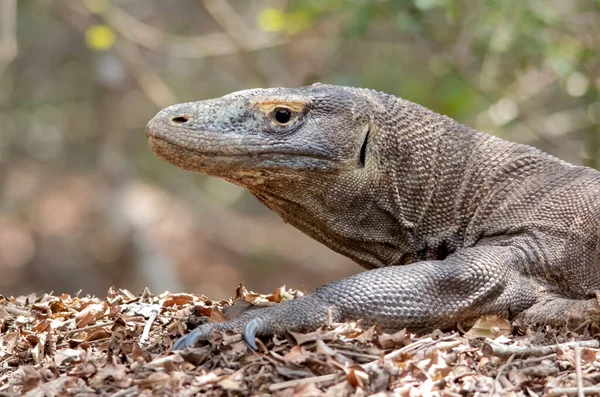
(283,115)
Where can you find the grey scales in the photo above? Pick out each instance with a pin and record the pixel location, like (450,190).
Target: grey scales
(450,223)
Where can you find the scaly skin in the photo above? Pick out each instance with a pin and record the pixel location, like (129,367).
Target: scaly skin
(451,223)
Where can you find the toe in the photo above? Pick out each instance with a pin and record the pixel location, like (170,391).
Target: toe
(250,333)
(188,340)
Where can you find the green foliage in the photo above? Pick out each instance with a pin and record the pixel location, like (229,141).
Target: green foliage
(476,50)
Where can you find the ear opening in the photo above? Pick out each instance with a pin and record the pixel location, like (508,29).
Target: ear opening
(363,149)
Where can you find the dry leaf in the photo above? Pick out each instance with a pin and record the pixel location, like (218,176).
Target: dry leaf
(155,379)
(66,356)
(313,336)
(30,378)
(115,374)
(97,334)
(356,377)
(340,389)
(138,353)
(588,355)
(366,336)
(177,299)
(4,314)
(232,382)
(387,341)
(307,390)
(297,355)
(90,314)
(490,327)
(216,316)
(238,308)
(322,348)
(210,377)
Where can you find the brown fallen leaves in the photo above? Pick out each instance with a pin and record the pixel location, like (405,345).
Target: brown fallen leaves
(120,345)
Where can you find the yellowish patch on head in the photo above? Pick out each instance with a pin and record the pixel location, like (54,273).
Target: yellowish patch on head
(268,105)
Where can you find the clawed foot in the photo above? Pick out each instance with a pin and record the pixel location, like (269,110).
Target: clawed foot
(303,314)
(193,337)
(562,311)
(205,331)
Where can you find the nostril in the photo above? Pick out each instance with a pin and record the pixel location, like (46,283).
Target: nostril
(180,119)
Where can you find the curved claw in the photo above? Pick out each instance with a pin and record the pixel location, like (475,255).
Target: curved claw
(250,333)
(187,340)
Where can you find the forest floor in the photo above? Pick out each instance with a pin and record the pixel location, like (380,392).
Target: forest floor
(63,345)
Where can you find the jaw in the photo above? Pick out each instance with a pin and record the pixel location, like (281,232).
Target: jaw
(244,169)
(177,155)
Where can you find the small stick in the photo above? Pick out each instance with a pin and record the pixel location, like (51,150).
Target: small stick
(582,325)
(535,360)
(296,382)
(412,349)
(396,353)
(440,383)
(506,384)
(89,328)
(578,372)
(540,370)
(571,391)
(492,349)
(358,355)
(146,334)
(592,377)
(451,393)
(15,311)
(160,362)
(501,370)
(125,392)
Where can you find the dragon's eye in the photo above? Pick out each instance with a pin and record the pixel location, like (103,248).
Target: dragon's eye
(282,115)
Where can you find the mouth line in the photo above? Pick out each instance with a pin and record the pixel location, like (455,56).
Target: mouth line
(238,155)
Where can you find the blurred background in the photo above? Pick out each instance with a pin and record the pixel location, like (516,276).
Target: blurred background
(84,204)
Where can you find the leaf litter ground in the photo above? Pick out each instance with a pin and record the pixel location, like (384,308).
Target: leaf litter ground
(120,346)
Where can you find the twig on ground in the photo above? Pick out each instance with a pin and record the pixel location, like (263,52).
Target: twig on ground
(540,370)
(89,328)
(571,391)
(506,384)
(358,355)
(296,382)
(582,325)
(492,349)
(409,349)
(126,392)
(15,311)
(145,335)
(534,360)
(501,370)
(578,374)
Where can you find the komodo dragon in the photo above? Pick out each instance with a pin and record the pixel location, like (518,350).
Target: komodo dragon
(451,223)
